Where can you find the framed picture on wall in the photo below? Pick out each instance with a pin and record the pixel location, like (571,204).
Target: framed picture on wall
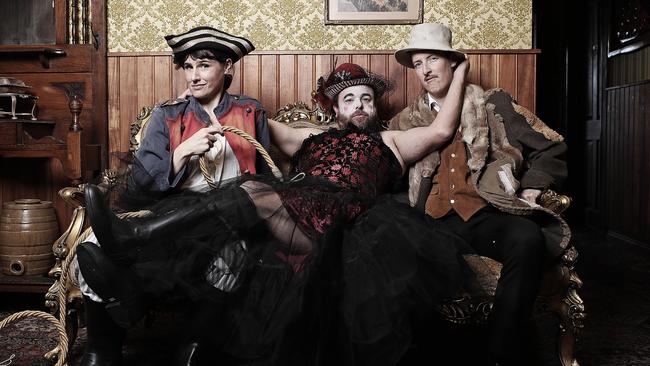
(373,11)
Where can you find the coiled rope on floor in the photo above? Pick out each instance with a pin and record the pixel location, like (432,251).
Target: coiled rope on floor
(61,348)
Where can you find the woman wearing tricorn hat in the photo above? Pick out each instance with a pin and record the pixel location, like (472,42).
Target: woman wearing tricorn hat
(316,260)
(166,164)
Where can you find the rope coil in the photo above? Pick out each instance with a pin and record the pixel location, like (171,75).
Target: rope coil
(61,350)
(203,161)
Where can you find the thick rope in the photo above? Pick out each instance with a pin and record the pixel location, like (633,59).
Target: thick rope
(61,349)
(203,163)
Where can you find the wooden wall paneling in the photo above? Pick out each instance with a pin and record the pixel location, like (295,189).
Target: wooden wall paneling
(526,85)
(624,177)
(163,73)
(305,77)
(613,172)
(269,83)
(144,81)
(489,69)
(323,66)
(506,78)
(614,156)
(361,60)
(341,59)
(237,80)
(179,85)
(114,104)
(643,220)
(288,92)
(250,75)
(413,87)
(630,160)
(378,64)
(397,74)
(631,174)
(640,173)
(474,75)
(129,104)
(618,149)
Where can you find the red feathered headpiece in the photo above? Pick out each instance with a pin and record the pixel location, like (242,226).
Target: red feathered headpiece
(346,75)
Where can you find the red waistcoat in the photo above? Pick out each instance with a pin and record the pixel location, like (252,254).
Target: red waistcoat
(241,116)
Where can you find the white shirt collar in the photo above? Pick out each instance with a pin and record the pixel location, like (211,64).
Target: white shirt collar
(436,105)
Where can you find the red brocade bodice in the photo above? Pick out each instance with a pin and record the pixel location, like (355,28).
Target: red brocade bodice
(351,159)
(345,171)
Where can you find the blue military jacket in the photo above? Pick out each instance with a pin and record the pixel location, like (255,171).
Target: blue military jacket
(174,121)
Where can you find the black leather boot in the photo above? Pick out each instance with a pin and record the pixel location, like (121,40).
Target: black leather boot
(121,240)
(117,286)
(105,337)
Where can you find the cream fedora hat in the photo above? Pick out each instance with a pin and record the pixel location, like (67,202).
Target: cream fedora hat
(427,37)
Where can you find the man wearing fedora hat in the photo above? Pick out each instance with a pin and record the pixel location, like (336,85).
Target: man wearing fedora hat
(483,184)
(116,288)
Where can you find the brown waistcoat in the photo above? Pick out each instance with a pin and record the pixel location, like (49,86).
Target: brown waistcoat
(452,188)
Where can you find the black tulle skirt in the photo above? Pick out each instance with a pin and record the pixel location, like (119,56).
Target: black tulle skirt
(375,266)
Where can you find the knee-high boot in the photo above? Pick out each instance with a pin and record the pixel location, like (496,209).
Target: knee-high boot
(105,337)
(122,239)
(117,286)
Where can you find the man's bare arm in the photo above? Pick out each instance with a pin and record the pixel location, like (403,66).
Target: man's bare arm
(412,145)
(289,139)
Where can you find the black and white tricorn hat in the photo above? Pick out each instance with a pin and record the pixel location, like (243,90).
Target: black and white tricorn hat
(210,38)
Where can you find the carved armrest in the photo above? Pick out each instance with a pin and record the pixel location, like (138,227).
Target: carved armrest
(555,202)
(299,115)
(138,127)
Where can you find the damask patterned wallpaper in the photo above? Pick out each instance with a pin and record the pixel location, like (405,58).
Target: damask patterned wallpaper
(139,25)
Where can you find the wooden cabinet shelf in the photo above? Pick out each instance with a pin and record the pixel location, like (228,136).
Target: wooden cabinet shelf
(43,53)
(33,139)
(35,284)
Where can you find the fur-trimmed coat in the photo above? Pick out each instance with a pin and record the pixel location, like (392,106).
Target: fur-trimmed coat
(508,148)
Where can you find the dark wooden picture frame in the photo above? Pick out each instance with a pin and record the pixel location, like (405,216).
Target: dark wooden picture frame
(372,12)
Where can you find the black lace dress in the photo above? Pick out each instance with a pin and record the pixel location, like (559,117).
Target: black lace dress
(373,267)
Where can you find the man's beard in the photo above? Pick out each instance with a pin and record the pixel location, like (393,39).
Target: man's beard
(370,124)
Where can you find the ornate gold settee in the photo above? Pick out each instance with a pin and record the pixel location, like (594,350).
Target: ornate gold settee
(558,292)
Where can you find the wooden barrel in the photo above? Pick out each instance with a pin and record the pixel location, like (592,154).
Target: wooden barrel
(28,228)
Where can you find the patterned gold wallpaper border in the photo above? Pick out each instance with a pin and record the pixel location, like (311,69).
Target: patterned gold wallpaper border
(298,25)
